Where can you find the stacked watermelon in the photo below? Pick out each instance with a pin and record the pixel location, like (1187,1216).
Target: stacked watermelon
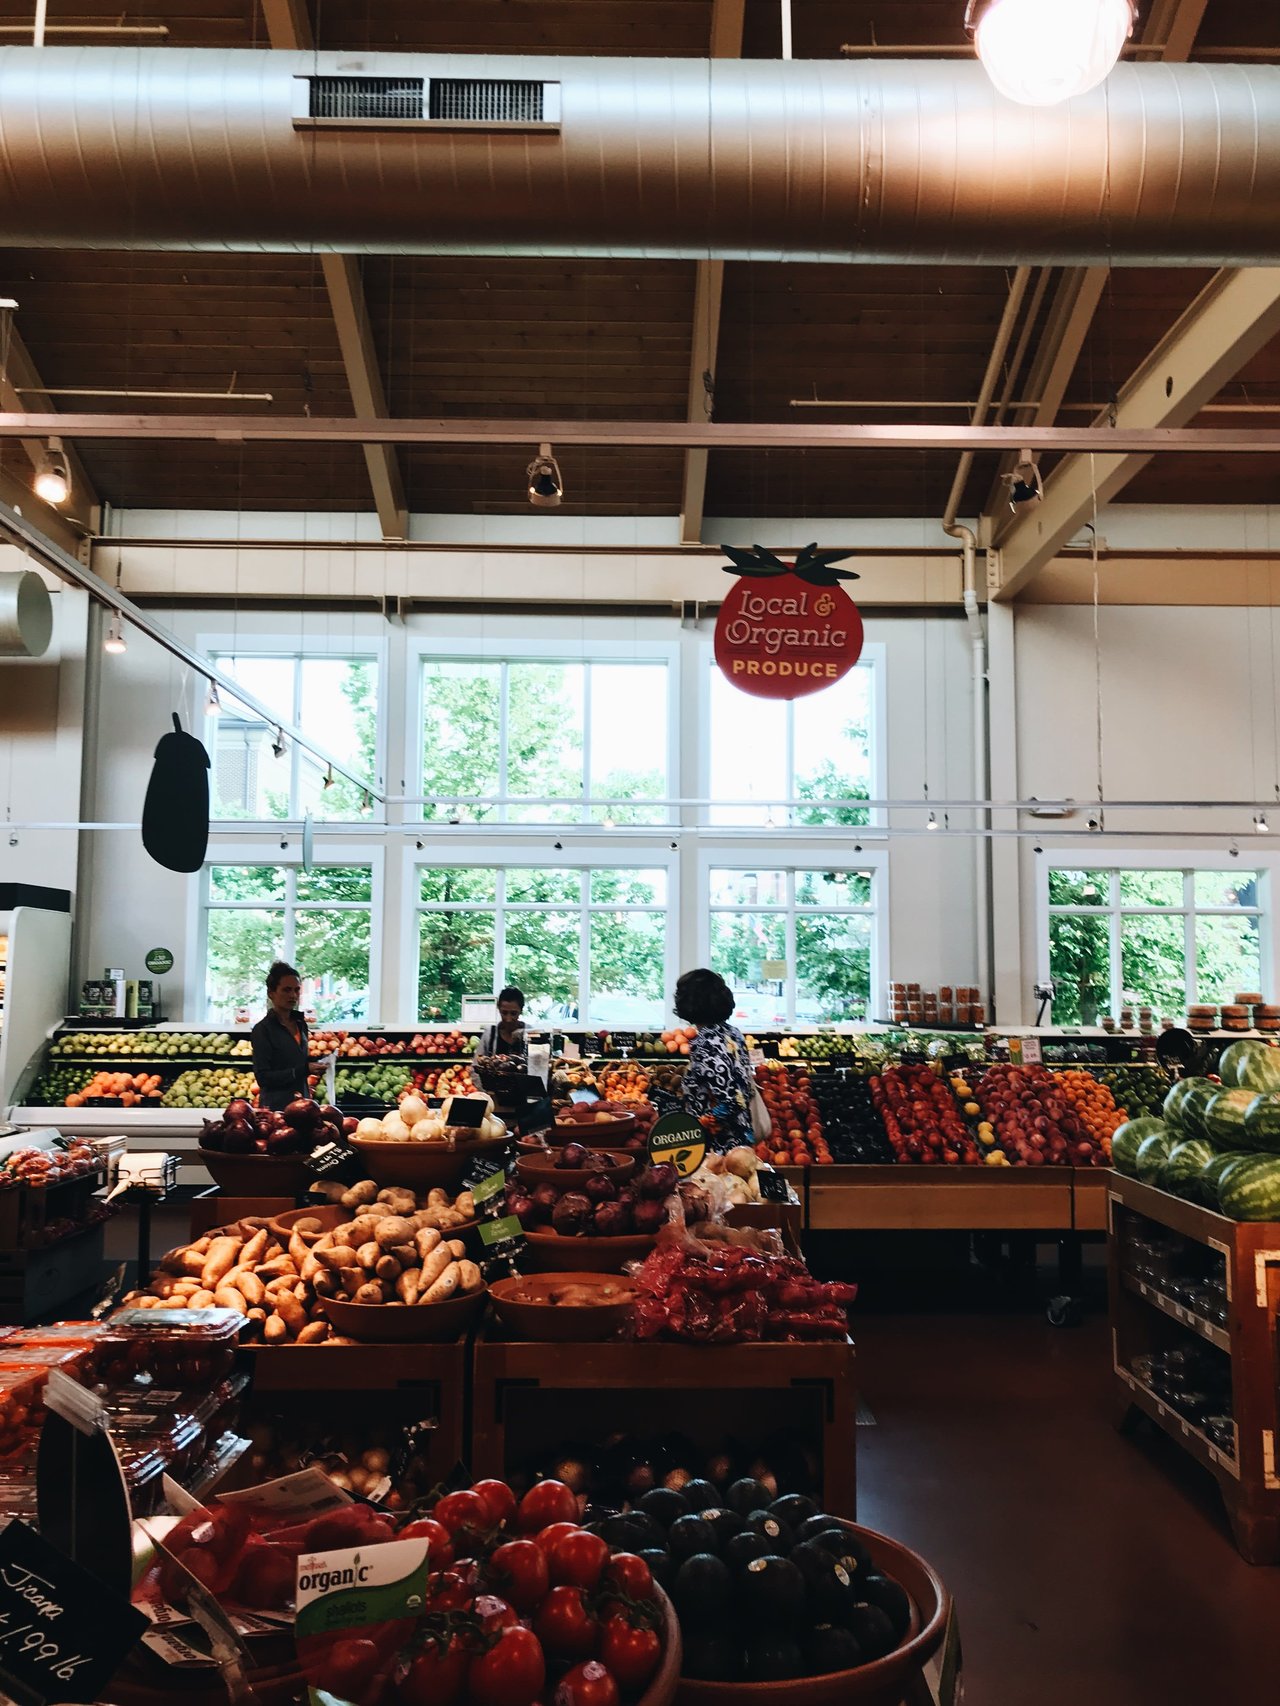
(1224,1139)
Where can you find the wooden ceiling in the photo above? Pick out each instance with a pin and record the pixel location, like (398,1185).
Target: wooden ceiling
(577,339)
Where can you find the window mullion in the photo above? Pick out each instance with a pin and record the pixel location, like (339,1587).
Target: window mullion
(584,811)
(1191,978)
(1114,942)
(504,694)
(584,943)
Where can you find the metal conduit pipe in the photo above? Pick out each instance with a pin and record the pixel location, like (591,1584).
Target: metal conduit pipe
(881,161)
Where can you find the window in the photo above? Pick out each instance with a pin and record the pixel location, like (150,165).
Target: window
(819,747)
(319,920)
(504,736)
(585,946)
(795,946)
(335,699)
(1155,938)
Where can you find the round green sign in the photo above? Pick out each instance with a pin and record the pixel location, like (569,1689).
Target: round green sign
(159,960)
(678,1138)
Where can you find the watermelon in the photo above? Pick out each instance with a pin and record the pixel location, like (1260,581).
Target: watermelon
(1262,1125)
(1251,1189)
(1125,1140)
(1183,1171)
(1199,1092)
(1217,1169)
(1152,1154)
(1250,1065)
(1172,1110)
(1223,1118)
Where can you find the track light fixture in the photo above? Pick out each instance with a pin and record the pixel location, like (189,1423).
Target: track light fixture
(546,485)
(933,822)
(1040,52)
(1025,484)
(53,477)
(329,778)
(115,641)
(212,704)
(1260,824)
(279,746)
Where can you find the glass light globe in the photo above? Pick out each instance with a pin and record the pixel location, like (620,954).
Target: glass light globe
(1040,52)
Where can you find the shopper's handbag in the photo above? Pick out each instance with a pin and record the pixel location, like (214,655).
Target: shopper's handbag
(761,1124)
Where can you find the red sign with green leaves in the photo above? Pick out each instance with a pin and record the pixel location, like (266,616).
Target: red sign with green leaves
(787,629)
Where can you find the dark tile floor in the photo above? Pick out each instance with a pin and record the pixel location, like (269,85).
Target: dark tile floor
(1089,1568)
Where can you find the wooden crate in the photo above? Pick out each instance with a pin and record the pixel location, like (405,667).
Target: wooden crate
(1089,1186)
(215,1208)
(961,1199)
(1144,1316)
(715,1390)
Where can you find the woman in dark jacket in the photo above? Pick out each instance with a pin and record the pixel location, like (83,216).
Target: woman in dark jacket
(718,1081)
(280,1056)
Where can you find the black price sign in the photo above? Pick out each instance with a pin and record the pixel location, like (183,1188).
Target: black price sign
(773,1187)
(623,1042)
(467,1111)
(62,1636)
(336,1161)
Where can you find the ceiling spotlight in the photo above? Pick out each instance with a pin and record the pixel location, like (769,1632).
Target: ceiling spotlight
(1040,52)
(1234,851)
(53,476)
(558,845)
(115,640)
(329,778)
(546,487)
(212,704)
(1260,825)
(932,823)
(607,821)
(1025,484)
(278,745)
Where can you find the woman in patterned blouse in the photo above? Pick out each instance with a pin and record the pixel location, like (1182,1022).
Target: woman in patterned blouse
(718,1081)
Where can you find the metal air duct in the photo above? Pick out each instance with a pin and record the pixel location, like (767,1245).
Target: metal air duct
(879,161)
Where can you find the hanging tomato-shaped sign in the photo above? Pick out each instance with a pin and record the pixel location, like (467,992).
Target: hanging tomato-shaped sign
(787,629)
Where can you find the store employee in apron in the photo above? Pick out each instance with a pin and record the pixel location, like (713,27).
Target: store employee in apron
(508,1035)
(280,1055)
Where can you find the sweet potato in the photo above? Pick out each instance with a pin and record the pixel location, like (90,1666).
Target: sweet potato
(255,1250)
(394,1229)
(314,1333)
(363,1191)
(340,1256)
(444,1287)
(407,1285)
(469,1277)
(456,1248)
(426,1239)
(368,1254)
(219,1261)
(249,1285)
(274,1329)
(191,1262)
(290,1311)
(228,1297)
(371,1292)
(200,1300)
(387,1268)
(434,1265)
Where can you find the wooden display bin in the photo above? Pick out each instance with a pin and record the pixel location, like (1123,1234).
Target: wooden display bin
(1146,1318)
(1089,1186)
(530,1397)
(214,1208)
(960,1199)
(389,1384)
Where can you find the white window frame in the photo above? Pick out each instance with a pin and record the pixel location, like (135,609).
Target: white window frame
(873,658)
(784,854)
(543,651)
(503,857)
(358,649)
(1188,861)
(290,859)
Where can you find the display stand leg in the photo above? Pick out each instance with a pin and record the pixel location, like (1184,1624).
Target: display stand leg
(1067,1310)
(144,1239)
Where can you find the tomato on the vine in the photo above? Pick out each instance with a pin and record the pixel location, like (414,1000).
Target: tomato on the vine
(498,1500)
(587,1685)
(511,1673)
(346,1668)
(495,1613)
(629,1573)
(578,1558)
(565,1626)
(549,1538)
(632,1653)
(439,1540)
(547,1502)
(449,1590)
(519,1570)
(434,1676)
(458,1511)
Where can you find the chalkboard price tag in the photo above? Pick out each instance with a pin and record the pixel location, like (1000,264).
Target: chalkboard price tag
(62,1635)
(468,1111)
(623,1041)
(336,1161)
(773,1187)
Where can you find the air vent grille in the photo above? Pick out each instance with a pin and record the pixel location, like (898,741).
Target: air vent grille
(367,97)
(479,100)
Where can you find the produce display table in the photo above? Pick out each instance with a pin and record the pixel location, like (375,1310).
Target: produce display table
(525,1396)
(940,1199)
(1156,1241)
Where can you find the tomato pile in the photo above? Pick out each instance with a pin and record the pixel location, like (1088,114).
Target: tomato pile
(797,1138)
(524,1607)
(921,1119)
(1038,1120)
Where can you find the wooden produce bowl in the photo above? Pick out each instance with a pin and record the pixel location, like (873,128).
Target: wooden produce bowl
(541,1169)
(549,1253)
(596,1134)
(666,1679)
(885,1681)
(556,1324)
(256,1175)
(401,1324)
(422,1165)
(328,1214)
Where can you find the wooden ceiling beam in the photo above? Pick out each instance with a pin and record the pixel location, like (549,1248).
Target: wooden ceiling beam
(708,293)
(289,26)
(1168,33)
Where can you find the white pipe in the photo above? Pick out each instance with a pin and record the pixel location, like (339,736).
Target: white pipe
(786,29)
(981,784)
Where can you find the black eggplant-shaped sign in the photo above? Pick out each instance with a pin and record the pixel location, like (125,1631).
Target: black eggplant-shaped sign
(175,815)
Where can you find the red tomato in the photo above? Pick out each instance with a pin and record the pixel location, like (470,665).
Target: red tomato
(499,1501)
(630,1575)
(587,1685)
(511,1673)
(435,1676)
(458,1511)
(565,1626)
(495,1613)
(449,1590)
(547,1502)
(549,1538)
(438,1539)
(578,1559)
(631,1654)
(519,1570)
(346,1668)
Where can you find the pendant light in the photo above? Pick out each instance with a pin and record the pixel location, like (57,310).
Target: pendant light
(1040,52)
